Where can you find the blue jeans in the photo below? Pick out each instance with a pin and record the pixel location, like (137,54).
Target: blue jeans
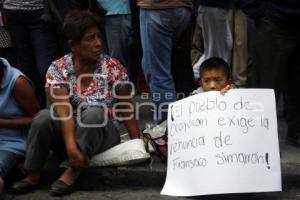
(118,30)
(160,30)
(7,162)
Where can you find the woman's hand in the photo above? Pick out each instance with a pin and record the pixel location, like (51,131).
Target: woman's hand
(76,159)
(63,110)
(128,113)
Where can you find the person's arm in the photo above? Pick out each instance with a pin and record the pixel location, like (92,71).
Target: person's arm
(26,100)
(59,100)
(131,123)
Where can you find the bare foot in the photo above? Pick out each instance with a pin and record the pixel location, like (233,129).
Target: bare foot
(69,176)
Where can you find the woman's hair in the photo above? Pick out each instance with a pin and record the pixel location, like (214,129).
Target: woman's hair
(77,22)
(215,63)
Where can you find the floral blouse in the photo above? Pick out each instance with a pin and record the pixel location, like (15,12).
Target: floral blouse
(107,77)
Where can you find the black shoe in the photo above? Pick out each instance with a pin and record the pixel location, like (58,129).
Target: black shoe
(60,188)
(23,187)
(293,141)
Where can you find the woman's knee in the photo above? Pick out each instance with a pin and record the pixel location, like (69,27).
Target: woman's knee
(7,162)
(41,120)
(94,116)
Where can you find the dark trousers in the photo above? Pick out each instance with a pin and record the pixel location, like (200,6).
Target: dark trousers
(275,46)
(276,50)
(35,44)
(45,135)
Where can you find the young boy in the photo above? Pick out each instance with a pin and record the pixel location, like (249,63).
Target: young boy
(214,76)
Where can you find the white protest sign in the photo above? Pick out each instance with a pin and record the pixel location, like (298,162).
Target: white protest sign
(223,144)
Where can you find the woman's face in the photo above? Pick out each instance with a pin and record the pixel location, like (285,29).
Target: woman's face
(89,47)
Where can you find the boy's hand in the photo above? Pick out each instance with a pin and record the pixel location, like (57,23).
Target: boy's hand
(225,89)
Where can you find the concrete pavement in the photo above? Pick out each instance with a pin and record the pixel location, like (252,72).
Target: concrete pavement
(151,174)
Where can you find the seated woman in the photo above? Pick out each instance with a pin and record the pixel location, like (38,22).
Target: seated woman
(82,87)
(18,106)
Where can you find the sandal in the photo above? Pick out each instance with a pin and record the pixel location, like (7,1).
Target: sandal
(23,187)
(60,188)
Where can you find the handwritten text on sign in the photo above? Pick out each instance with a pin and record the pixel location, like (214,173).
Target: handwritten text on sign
(223,144)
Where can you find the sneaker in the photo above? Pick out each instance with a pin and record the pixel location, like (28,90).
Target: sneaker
(60,188)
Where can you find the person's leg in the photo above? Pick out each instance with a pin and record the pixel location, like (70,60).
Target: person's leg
(35,45)
(118,32)
(93,136)
(274,49)
(293,97)
(7,161)
(159,30)
(20,39)
(182,70)
(197,44)
(217,35)
(44,135)
(96,133)
(157,45)
(251,74)
(240,51)
(44,42)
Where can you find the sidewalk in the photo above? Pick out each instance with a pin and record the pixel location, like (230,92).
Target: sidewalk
(153,172)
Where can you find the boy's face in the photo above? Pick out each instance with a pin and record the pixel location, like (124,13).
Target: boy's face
(213,80)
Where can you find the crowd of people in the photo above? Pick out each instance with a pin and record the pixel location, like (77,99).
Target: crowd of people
(65,65)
